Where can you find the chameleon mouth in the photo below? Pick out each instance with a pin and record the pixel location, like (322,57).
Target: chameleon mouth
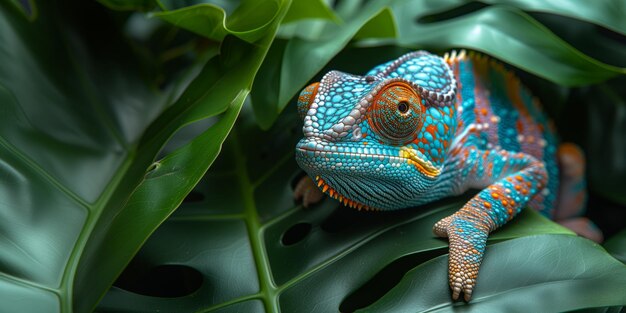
(336,195)
(406,155)
(423,166)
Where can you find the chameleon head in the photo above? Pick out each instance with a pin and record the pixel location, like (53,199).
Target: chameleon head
(379,141)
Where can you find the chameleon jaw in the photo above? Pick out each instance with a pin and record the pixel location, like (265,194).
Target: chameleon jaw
(423,166)
(327,189)
(407,155)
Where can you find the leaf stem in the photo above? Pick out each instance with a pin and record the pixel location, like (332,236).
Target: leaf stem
(268,289)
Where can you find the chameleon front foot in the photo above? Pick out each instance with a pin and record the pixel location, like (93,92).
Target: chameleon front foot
(307,191)
(467,245)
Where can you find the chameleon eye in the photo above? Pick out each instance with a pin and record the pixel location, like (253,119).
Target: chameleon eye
(396,113)
(403,107)
(306,98)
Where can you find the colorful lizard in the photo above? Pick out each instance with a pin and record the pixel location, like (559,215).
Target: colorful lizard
(423,127)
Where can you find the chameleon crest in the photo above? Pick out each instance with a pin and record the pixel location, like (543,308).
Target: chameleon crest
(390,128)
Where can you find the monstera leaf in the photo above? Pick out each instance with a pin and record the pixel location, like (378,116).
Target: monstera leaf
(82,188)
(79,132)
(499,28)
(617,246)
(240,243)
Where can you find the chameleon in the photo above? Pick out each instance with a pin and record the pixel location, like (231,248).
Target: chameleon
(423,127)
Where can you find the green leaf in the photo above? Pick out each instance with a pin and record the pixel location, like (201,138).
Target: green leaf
(380,26)
(242,241)
(508,34)
(519,273)
(300,59)
(616,246)
(228,6)
(605,13)
(309,9)
(501,31)
(79,131)
(249,21)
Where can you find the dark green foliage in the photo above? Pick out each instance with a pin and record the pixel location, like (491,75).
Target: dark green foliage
(92,92)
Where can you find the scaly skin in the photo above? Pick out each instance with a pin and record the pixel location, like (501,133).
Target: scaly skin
(423,127)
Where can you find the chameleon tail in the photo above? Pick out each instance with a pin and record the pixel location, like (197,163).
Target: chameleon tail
(573,193)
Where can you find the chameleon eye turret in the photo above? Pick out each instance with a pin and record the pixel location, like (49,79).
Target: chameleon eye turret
(396,113)
(306,98)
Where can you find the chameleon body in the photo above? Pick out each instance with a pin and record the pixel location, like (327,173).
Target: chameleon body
(424,127)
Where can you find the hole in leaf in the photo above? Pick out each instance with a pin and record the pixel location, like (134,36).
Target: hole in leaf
(296,233)
(166,281)
(194,196)
(385,280)
(608,33)
(458,11)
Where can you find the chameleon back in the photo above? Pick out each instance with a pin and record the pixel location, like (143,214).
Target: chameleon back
(495,111)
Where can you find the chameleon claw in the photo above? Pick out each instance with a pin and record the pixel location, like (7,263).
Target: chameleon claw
(458,286)
(468,293)
(456,291)
(306,191)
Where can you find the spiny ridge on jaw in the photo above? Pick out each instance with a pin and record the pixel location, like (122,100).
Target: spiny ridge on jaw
(335,195)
